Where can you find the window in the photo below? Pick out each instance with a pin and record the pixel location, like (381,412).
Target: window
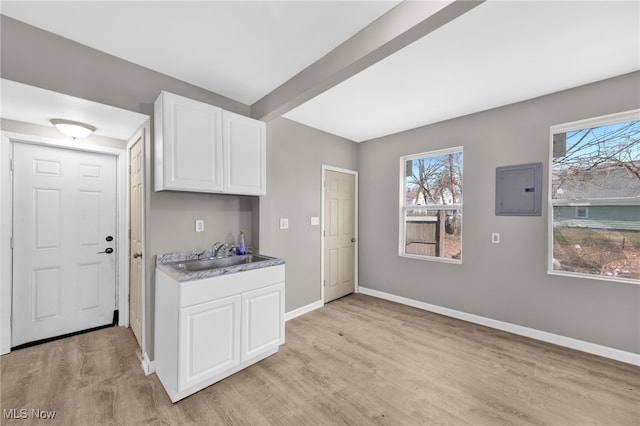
(431,205)
(594,198)
(582,212)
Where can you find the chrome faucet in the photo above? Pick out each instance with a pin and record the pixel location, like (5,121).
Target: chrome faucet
(216,248)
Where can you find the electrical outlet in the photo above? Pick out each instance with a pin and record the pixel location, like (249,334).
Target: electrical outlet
(199,225)
(495,238)
(284,223)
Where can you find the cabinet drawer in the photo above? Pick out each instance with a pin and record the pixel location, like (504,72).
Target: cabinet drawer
(193,292)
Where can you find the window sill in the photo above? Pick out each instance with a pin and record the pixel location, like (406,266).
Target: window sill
(431,258)
(593,277)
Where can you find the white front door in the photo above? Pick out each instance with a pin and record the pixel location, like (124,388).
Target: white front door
(64,230)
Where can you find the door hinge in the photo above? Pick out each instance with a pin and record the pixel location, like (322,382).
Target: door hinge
(11,164)
(324,283)
(129,233)
(11,242)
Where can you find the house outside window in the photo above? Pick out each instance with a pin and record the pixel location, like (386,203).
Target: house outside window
(431,205)
(594,198)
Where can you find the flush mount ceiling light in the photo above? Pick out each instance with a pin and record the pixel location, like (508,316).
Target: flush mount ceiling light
(74,129)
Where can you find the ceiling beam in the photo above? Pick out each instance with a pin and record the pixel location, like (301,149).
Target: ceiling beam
(401,26)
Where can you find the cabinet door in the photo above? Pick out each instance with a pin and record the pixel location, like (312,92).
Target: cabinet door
(244,154)
(262,320)
(209,340)
(188,137)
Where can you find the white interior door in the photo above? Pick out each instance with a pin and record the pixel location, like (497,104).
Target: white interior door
(64,229)
(135,239)
(339,234)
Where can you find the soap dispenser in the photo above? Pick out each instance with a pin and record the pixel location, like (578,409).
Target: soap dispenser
(242,248)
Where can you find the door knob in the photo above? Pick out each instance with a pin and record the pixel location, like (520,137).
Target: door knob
(353,240)
(137,255)
(108,250)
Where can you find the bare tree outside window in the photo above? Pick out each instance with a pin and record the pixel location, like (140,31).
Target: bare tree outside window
(597,170)
(432,208)
(600,162)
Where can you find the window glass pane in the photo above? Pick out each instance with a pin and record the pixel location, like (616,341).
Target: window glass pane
(595,163)
(434,233)
(582,212)
(607,243)
(433,180)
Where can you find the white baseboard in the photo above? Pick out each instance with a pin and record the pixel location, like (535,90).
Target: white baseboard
(580,345)
(303,310)
(149,367)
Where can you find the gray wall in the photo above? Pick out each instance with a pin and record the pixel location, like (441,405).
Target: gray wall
(38,58)
(506,281)
(295,155)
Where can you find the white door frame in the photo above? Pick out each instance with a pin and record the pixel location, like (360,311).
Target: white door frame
(326,168)
(6,212)
(140,134)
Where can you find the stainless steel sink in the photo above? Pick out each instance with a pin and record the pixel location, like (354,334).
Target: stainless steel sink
(221,262)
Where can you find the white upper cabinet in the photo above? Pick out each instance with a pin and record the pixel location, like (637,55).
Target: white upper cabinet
(202,148)
(244,154)
(188,145)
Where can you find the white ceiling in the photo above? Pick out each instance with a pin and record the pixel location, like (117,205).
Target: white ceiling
(38,106)
(498,53)
(239,49)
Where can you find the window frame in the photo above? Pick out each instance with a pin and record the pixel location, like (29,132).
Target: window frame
(403,208)
(604,120)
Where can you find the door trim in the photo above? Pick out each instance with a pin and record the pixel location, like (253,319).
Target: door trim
(326,168)
(140,135)
(6,252)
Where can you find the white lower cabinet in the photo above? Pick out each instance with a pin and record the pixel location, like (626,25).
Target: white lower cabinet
(261,329)
(209,340)
(211,328)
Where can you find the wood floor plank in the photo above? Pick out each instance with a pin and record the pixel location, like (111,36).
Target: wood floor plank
(357,361)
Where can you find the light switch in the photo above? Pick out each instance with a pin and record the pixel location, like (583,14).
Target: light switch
(495,238)
(315,220)
(284,223)
(199,225)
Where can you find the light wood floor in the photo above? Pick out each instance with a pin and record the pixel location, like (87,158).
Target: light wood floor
(357,361)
